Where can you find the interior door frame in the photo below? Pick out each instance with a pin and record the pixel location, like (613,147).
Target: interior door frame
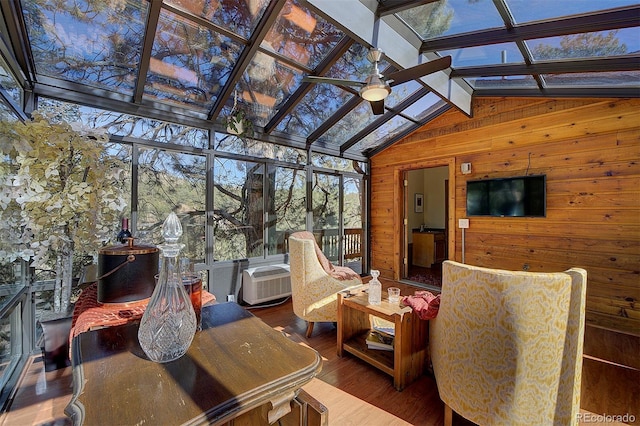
(401,209)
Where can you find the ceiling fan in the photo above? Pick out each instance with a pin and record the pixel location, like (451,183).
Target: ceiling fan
(376,87)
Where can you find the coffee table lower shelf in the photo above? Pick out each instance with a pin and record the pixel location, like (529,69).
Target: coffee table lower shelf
(408,359)
(380,359)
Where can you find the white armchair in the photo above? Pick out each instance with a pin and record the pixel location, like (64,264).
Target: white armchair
(315,282)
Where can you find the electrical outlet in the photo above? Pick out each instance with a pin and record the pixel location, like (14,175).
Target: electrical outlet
(231,298)
(463,223)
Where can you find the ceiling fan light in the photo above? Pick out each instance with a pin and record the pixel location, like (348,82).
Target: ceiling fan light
(375,89)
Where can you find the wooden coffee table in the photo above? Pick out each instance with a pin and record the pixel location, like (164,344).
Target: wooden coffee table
(408,360)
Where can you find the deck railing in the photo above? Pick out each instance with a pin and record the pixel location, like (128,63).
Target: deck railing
(329,242)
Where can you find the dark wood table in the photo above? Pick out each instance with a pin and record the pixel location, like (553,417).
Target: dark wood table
(236,368)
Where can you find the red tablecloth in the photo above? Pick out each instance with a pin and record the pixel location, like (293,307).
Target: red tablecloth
(89,314)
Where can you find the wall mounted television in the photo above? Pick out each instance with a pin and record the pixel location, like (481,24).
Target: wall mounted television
(521,196)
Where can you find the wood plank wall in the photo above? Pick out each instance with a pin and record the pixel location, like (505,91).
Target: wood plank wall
(589,149)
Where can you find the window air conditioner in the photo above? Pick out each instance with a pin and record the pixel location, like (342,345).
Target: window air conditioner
(266,283)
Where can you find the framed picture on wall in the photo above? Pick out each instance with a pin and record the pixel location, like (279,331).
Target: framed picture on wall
(419,203)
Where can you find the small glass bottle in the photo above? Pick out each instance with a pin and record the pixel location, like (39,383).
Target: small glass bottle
(375,288)
(169,322)
(124,232)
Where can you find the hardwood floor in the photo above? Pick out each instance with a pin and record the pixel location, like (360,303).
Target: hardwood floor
(355,392)
(417,404)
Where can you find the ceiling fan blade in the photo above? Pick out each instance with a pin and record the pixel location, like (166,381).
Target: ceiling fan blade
(418,71)
(336,81)
(377,107)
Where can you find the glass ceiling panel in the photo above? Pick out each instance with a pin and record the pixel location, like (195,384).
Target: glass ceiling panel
(493,54)
(248,146)
(503,82)
(356,120)
(301,35)
(239,17)
(94,48)
(316,107)
(326,161)
(189,63)
(87,42)
(598,79)
(401,92)
(587,45)
(536,10)
(354,65)
(449,17)
(383,133)
(127,125)
(265,84)
(423,107)
(325,99)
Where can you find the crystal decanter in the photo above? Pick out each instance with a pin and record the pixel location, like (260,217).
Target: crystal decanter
(169,322)
(375,288)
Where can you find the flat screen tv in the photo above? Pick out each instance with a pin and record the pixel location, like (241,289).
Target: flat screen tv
(522,196)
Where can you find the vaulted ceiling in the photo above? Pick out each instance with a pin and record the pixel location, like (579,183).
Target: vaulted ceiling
(194,61)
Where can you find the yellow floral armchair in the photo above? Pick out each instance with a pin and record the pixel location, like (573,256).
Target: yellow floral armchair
(507,346)
(315,282)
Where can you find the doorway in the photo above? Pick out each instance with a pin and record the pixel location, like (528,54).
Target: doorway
(337,220)
(426,225)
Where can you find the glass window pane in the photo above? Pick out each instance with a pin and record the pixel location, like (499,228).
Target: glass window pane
(10,343)
(401,92)
(598,79)
(13,242)
(6,114)
(353,244)
(238,209)
(315,108)
(286,206)
(266,83)
(498,82)
(120,124)
(354,65)
(383,133)
(326,214)
(88,42)
(501,53)
(10,84)
(336,163)
(426,105)
(189,63)
(447,17)
(586,45)
(239,17)
(325,99)
(356,120)
(537,10)
(301,35)
(260,149)
(172,182)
